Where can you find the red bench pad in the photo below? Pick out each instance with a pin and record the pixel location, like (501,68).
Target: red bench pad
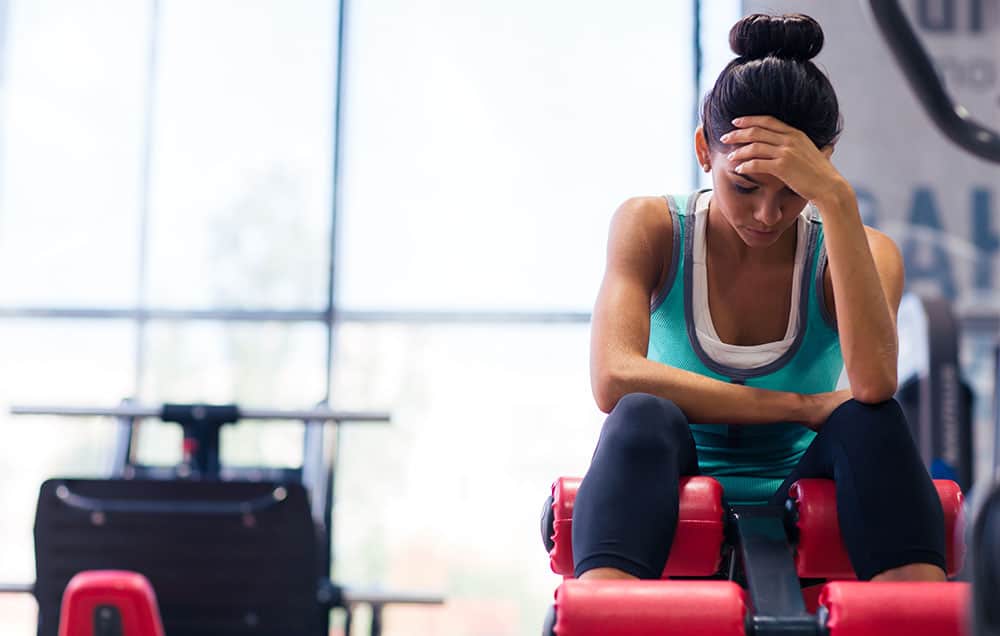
(820,552)
(643,608)
(697,548)
(891,609)
(129,592)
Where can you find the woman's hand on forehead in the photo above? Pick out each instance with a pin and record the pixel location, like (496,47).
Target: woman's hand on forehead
(760,129)
(766,145)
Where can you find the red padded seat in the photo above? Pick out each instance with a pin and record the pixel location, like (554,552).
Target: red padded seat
(697,548)
(642,608)
(820,552)
(896,609)
(130,593)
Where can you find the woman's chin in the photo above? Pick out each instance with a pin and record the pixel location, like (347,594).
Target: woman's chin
(759,239)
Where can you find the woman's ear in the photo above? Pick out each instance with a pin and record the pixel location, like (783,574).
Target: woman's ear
(827,151)
(701,149)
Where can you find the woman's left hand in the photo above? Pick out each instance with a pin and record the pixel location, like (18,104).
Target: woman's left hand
(769,146)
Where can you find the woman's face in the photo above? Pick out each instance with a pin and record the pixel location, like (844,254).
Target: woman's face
(759,207)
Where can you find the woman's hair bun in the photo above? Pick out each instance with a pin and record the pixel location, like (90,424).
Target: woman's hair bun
(795,36)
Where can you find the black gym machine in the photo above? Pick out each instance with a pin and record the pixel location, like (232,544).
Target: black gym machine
(229,550)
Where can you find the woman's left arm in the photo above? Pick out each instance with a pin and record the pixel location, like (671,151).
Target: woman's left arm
(865,266)
(865,272)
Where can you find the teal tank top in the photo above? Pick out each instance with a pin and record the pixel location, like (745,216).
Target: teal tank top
(750,461)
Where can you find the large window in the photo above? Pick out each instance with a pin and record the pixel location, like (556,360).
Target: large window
(70,151)
(487,145)
(170,217)
(241,157)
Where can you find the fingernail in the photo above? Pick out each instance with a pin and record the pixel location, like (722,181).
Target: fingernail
(737,121)
(731,155)
(739,168)
(724,138)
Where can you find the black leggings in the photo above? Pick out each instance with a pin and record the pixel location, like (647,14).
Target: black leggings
(626,508)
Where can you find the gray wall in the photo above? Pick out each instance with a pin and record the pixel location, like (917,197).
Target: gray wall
(939,203)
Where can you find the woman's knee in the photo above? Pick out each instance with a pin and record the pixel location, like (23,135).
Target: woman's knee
(641,422)
(856,421)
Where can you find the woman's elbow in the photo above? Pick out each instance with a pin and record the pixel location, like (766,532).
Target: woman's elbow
(607,385)
(874,392)
(605,396)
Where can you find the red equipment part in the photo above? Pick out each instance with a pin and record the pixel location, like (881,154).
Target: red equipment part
(696,550)
(128,592)
(890,609)
(820,552)
(642,608)
(810,594)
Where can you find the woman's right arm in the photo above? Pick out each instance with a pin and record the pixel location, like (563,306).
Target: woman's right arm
(639,248)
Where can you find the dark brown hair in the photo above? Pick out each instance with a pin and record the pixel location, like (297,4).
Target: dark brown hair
(774,75)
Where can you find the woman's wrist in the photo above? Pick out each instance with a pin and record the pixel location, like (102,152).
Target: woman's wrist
(838,196)
(802,406)
(783,406)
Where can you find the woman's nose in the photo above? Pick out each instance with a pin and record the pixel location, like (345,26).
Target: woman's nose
(768,216)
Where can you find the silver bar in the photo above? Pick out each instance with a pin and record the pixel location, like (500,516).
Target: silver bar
(970,317)
(302,315)
(152,64)
(314,415)
(317,463)
(17,588)
(124,434)
(337,152)
(389,597)
(472,317)
(134,313)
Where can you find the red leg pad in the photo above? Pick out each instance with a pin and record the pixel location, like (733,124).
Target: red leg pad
(810,594)
(820,552)
(646,608)
(129,592)
(896,609)
(697,543)
(952,500)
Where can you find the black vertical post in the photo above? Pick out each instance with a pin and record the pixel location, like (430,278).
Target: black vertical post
(995,467)
(376,628)
(946,412)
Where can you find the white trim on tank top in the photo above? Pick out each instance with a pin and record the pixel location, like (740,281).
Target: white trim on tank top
(740,357)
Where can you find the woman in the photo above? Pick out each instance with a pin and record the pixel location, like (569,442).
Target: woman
(724,321)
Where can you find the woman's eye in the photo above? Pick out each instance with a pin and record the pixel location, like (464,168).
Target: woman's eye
(743,190)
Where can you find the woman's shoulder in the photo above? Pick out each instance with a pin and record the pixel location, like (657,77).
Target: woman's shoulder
(657,211)
(643,221)
(640,240)
(646,210)
(650,220)
(887,255)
